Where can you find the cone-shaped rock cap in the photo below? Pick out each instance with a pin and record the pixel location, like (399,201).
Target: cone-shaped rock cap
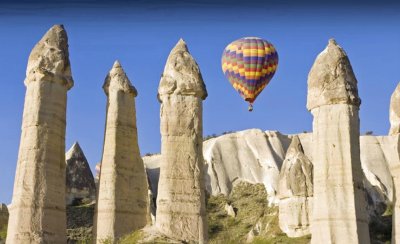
(295,146)
(296,172)
(74,151)
(331,79)
(79,177)
(395,112)
(49,59)
(117,80)
(182,74)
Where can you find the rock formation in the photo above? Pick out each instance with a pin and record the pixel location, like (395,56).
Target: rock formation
(340,215)
(252,155)
(37,212)
(152,166)
(181,195)
(122,198)
(80,187)
(258,157)
(394,161)
(3,215)
(230,210)
(394,113)
(378,181)
(255,156)
(295,191)
(97,176)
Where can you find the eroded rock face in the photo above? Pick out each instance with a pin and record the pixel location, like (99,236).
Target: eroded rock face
(394,112)
(122,204)
(252,155)
(97,176)
(80,187)
(394,161)
(181,193)
(374,151)
(395,169)
(37,212)
(252,146)
(340,215)
(295,191)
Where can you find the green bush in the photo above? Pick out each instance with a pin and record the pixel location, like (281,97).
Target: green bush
(3,233)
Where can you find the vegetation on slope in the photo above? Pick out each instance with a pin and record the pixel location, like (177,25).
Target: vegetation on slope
(3,234)
(252,215)
(80,223)
(255,221)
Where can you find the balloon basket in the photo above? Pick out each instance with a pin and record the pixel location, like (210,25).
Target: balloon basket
(250,107)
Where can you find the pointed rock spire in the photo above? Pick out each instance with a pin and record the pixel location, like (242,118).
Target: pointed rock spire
(182,74)
(49,59)
(296,172)
(295,190)
(117,79)
(80,186)
(122,201)
(73,151)
(395,112)
(331,79)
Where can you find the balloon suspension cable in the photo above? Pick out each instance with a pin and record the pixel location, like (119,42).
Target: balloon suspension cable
(250,107)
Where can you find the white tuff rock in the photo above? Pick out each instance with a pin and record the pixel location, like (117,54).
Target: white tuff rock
(253,146)
(252,155)
(339,209)
(181,195)
(37,212)
(394,112)
(230,210)
(395,160)
(122,203)
(295,191)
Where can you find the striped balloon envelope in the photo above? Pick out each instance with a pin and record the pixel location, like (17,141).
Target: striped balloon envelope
(249,64)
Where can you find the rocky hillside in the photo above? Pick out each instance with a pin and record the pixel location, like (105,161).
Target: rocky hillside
(80,223)
(253,179)
(244,216)
(256,157)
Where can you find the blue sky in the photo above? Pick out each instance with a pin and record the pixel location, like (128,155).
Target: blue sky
(141,36)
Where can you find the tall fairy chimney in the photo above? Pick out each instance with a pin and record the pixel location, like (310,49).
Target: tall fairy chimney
(181,191)
(122,203)
(37,213)
(339,209)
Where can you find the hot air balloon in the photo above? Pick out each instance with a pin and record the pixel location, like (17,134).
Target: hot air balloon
(249,64)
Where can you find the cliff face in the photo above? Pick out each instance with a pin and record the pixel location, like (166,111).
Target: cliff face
(251,155)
